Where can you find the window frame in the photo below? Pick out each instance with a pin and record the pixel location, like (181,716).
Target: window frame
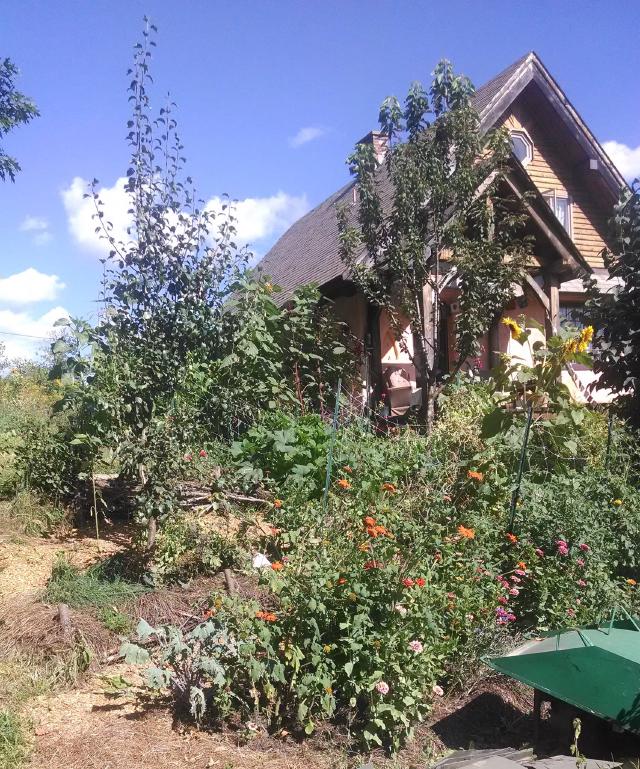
(521,134)
(554,196)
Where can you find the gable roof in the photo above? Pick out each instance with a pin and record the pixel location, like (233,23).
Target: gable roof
(309,251)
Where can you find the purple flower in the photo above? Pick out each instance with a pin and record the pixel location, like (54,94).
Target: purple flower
(382,687)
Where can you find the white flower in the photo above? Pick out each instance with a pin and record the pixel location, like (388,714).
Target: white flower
(437,690)
(402,611)
(260,561)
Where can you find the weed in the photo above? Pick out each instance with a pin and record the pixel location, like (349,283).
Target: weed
(13,742)
(34,516)
(92,587)
(115,620)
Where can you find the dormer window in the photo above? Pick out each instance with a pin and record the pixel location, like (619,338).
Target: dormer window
(522,147)
(560,204)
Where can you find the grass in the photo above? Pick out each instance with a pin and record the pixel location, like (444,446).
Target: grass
(27,513)
(94,587)
(115,620)
(14,746)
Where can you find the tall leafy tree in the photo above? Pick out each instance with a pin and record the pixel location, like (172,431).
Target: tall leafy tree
(435,204)
(15,109)
(616,314)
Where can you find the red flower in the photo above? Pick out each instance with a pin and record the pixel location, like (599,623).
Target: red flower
(408,582)
(584,547)
(202,453)
(511,537)
(373,565)
(421,582)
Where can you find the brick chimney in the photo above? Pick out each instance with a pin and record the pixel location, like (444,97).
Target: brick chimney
(380,144)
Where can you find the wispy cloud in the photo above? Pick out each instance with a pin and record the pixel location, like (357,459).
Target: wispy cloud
(627,159)
(27,334)
(306,135)
(39,227)
(29,286)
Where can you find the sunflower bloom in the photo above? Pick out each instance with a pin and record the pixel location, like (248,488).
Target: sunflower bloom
(516,330)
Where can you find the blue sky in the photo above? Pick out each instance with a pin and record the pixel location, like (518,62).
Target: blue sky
(272,95)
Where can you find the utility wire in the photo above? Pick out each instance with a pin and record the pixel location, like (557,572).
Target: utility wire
(29,336)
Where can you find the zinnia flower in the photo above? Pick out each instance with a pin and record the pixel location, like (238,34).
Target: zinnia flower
(344,483)
(437,690)
(402,611)
(475,475)
(421,581)
(382,687)
(347,469)
(511,537)
(326,648)
(571,612)
(521,565)
(364,547)
(580,562)
(187,457)
(277,566)
(465,532)
(416,647)
(539,552)
(514,591)
(584,547)
(277,503)
(563,547)
(631,582)
(408,582)
(388,487)
(369,521)
(202,453)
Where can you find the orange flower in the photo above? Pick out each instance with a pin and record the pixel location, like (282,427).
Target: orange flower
(475,475)
(208,613)
(277,503)
(347,469)
(267,616)
(277,566)
(466,533)
(632,582)
(512,538)
(388,487)
(342,581)
(369,521)
(364,547)
(522,565)
(344,483)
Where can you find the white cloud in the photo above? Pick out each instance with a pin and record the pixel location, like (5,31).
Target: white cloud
(39,227)
(306,135)
(36,330)
(627,159)
(29,286)
(260,218)
(80,211)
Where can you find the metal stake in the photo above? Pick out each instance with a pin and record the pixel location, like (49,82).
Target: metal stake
(515,494)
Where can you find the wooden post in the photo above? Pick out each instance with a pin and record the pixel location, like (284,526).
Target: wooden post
(374,351)
(552,286)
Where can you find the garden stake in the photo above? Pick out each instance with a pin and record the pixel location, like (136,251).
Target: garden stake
(516,492)
(609,431)
(327,480)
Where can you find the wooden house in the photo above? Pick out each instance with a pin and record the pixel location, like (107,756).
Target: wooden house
(572,186)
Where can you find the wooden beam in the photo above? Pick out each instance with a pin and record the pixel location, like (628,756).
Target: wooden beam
(537,290)
(552,286)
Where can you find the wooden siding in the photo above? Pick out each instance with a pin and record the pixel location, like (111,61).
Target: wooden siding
(554,166)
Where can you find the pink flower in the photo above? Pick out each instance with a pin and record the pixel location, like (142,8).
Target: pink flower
(580,562)
(514,591)
(581,583)
(187,457)
(382,687)
(584,547)
(202,453)
(571,612)
(503,599)
(402,611)
(520,572)
(438,690)
(563,548)
(416,647)
(539,552)
(515,579)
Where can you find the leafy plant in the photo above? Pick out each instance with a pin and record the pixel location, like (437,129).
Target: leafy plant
(15,109)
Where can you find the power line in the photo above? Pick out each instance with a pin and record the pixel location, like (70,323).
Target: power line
(29,336)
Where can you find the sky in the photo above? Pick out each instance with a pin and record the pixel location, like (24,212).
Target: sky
(272,95)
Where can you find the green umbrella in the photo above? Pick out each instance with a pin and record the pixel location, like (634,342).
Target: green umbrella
(595,668)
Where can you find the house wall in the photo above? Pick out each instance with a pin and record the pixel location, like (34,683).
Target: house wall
(553,167)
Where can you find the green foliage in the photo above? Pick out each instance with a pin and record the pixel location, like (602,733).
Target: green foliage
(14,747)
(186,547)
(94,587)
(117,621)
(15,109)
(282,447)
(36,516)
(446,204)
(615,314)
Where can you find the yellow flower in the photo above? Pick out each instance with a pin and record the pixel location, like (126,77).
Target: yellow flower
(516,330)
(326,648)
(617,502)
(632,582)
(328,690)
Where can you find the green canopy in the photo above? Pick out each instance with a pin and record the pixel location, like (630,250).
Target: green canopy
(595,668)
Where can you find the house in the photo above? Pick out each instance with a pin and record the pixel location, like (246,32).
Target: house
(572,186)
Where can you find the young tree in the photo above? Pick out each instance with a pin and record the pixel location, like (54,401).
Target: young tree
(15,109)
(616,314)
(435,204)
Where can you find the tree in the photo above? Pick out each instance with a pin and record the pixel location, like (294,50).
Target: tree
(435,204)
(616,314)
(15,109)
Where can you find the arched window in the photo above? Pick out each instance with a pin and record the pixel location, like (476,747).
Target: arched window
(521,146)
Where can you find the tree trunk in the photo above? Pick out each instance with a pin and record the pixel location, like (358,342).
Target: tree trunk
(152,530)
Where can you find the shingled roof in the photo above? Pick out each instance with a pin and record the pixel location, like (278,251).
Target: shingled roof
(308,252)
